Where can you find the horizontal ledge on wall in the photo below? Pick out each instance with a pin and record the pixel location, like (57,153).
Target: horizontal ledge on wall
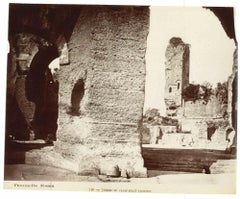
(140,73)
(114,123)
(205,118)
(119,89)
(111,141)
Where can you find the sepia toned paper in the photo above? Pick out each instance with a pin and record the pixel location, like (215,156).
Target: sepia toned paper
(121,99)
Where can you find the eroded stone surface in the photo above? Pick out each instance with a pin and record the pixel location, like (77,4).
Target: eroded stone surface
(106,50)
(176,71)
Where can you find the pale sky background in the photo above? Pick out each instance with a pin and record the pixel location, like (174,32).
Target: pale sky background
(211,51)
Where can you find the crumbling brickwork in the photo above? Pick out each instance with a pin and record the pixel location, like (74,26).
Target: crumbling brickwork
(200,108)
(101,78)
(176,71)
(23,48)
(107,51)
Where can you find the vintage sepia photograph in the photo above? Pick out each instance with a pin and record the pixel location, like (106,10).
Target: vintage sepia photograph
(121,98)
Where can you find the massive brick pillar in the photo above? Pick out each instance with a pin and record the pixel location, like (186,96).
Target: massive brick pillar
(102,90)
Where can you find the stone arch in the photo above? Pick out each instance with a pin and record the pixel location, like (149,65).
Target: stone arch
(102,122)
(42,89)
(76,97)
(178,83)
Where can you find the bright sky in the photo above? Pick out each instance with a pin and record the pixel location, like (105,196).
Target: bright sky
(211,51)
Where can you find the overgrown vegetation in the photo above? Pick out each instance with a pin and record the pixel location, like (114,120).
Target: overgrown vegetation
(151,113)
(195,92)
(152,116)
(204,91)
(217,123)
(221,92)
(167,121)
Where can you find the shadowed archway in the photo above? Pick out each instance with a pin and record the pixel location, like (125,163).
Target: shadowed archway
(42,89)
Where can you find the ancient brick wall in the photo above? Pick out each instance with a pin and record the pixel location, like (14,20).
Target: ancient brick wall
(107,53)
(201,108)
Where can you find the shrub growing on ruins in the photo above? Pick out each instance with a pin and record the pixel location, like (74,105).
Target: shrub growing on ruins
(167,121)
(221,123)
(151,113)
(221,92)
(195,92)
(191,93)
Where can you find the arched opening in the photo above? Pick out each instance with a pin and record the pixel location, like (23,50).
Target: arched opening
(178,85)
(32,96)
(41,88)
(76,97)
(30,81)
(170,89)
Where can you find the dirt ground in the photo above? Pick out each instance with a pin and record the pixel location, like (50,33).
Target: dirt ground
(23,172)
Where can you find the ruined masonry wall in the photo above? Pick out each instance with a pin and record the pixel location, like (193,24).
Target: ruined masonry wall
(202,109)
(107,50)
(177,70)
(21,54)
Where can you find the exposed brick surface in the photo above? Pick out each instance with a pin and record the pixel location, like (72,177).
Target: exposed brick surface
(106,50)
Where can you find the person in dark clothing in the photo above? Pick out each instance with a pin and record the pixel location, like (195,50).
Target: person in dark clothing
(38,85)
